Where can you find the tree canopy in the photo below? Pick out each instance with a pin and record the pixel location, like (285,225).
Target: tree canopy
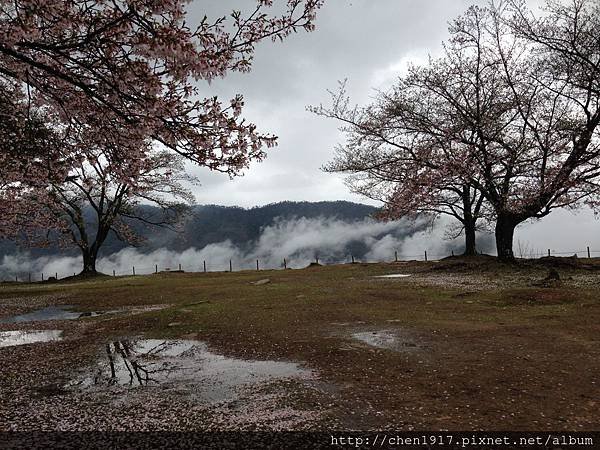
(125,77)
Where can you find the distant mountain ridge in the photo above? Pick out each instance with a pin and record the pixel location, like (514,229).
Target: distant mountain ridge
(209,224)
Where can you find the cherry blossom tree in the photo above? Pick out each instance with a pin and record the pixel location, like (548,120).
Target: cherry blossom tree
(394,155)
(116,74)
(530,112)
(92,202)
(511,110)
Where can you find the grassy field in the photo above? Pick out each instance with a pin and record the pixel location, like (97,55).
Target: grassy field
(457,345)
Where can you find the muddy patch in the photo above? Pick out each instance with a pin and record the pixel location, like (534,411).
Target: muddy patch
(537,297)
(396,340)
(184,367)
(23,337)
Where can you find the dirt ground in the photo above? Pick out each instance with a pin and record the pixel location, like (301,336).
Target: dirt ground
(457,345)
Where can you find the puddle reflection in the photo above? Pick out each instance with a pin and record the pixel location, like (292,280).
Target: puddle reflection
(183,365)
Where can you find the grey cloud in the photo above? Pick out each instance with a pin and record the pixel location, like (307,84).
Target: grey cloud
(366,41)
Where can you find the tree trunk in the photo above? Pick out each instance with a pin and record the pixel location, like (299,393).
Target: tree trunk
(505,230)
(90,252)
(468,222)
(89,262)
(470,247)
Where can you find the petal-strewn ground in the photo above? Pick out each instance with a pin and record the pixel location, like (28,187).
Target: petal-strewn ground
(459,345)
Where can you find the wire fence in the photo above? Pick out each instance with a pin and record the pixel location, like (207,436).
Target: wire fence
(206,266)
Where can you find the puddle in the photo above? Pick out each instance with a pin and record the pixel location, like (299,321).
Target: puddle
(22,337)
(134,310)
(186,366)
(394,275)
(65,312)
(143,309)
(50,313)
(386,339)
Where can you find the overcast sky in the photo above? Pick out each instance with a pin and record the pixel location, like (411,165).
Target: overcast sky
(369,42)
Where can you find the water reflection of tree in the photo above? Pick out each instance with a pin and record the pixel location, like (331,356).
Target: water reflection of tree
(141,364)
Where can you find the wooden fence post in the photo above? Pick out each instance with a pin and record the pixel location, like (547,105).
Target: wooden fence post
(425,255)
(589,255)
(284,263)
(204,263)
(230,266)
(396,255)
(133,270)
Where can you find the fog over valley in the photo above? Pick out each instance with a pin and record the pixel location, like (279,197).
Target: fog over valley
(297,231)
(301,232)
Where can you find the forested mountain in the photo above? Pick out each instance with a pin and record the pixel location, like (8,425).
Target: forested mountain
(209,224)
